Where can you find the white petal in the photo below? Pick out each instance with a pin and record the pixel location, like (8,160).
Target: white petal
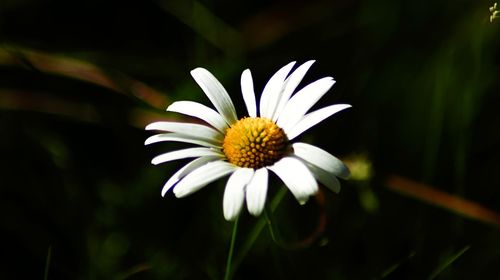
(314,118)
(186,170)
(302,101)
(200,111)
(190,129)
(327,179)
(248,93)
(203,176)
(216,93)
(321,159)
(234,194)
(296,177)
(178,137)
(272,91)
(185,153)
(291,84)
(256,192)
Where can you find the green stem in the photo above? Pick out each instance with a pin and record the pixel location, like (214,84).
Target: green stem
(227,274)
(272,228)
(257,229)
(448,262)
(47,263)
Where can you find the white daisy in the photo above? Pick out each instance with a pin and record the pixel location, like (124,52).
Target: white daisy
(247,148)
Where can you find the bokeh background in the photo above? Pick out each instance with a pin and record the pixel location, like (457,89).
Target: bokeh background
(79,80)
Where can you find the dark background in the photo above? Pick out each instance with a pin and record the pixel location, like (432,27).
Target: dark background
(79,80)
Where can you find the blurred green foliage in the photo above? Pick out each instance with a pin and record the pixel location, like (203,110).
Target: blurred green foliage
(80,79)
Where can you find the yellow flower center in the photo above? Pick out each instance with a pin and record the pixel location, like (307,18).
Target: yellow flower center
(254,143)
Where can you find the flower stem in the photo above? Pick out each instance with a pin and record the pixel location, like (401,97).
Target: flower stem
(47,263)
(257,229)
(272,227)
(227,274)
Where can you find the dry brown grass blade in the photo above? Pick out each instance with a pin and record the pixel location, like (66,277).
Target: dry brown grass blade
(82,70)
(18,100)
(31,101)
(444,200)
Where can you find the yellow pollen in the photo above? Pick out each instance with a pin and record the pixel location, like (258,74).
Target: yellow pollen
(254,143)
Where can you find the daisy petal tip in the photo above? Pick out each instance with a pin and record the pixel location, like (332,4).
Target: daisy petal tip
(197,70)
(227,218)
(341,107)
(255,211)
(179,194)
(345,174)
(198,73)
(169,108)
(149,126)
(329,81)
(308,63)
(163,192)
(292,64)
(154,125)
(151,139)
(303,201)
(230,217)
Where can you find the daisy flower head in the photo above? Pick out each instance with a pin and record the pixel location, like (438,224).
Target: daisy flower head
(247,149)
